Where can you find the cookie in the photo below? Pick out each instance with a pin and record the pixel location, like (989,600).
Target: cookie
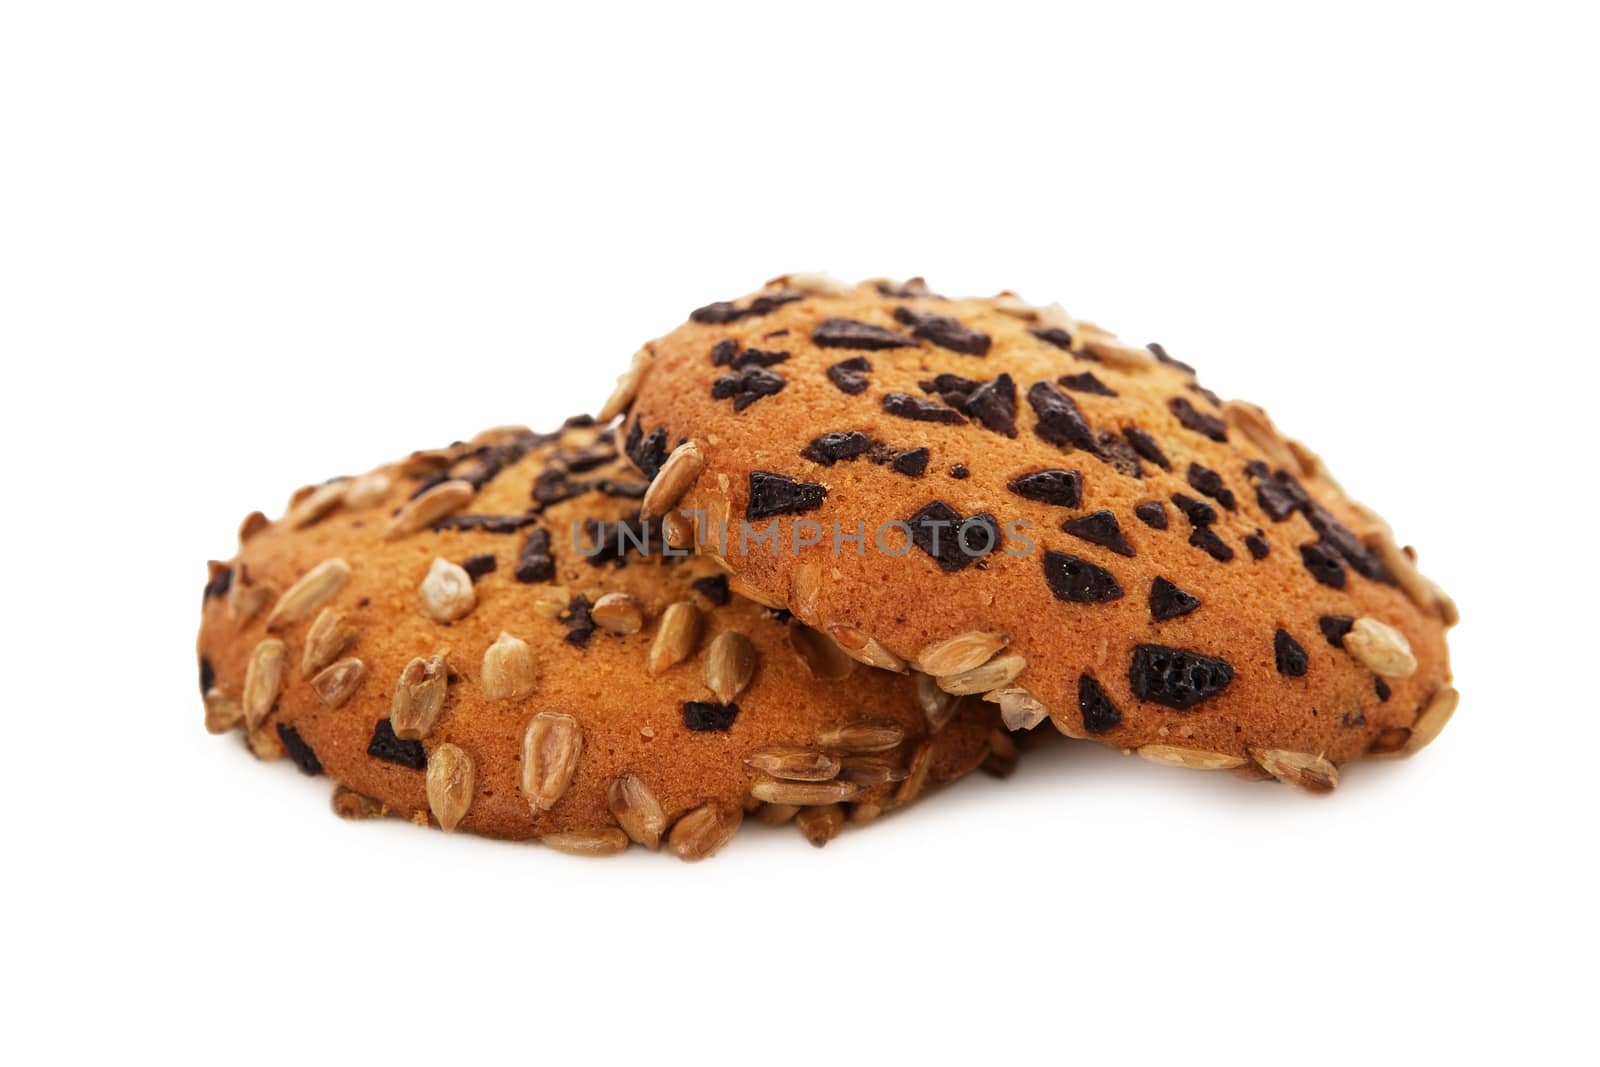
(1026,507)
(488,638)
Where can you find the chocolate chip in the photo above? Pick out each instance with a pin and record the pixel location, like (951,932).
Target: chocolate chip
(725,311)
(1153,514)
(714,589)
(1276,499)
(534,562)
(1147,446)
(1323,563)
(1099,714)
(1334,627)
(1197,420)
(1086,383)
(1079,581)
(1062,488)
(723,351)
(1198,512)
(1167,601)
(907,406)
(1204,537)
(994,405)
(479,565)
(579,620)
(1257,545)
(1211,484)
(716,314)
(1291,658)
(755,357)
(614,541)
(704,715)
(298,750)
(1161,354)
(208,675)
(911,462)
(1053,335)
(219,585)
(1100,528)
(774,494)
(1196,387)
(910,289)
(614,487)
(492,524)
(391,749)
(830,448)
(1381,687)
(1113,450)
(848,333)
(943,331)
(959,471)
(747,386)
(1060,421)
(953,542)
(850,375)
(1347,544)
(647,451)
(1175,677)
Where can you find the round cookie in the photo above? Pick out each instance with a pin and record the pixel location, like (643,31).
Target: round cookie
(1027,507)
(474,637)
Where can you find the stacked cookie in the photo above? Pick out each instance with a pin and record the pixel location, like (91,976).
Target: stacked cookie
(845,542)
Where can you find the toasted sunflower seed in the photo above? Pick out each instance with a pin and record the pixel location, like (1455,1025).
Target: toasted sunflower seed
(618,613)
(750,592)
(447,592)
(1188,757)
(627,388)
(223,712)
(675,637)
(550,601)
(264,744)
(1380,648)
(550,749)
(916,775)
(508,671)
(804,794)
(825,660)
(1008,303)
(419,698)
(338,681)
(367,490)
(428,508)
(1432,719)
(703,831)
(937,706)
(319,502)
(316,585)
(678,530)
(864,648)
(247,598)
(862,814)
(995,674)
(794,764)
(806,590)
(451,777)
(263,680)
(1310,772)
(821,824)
(1019,709)
(1254,424)
(863,735)
(961,653)
(348,804)
(1115,353)
(775,814)
(729,665)
(637,810)
(870,770)
(329,636)
(607,842)
(812,284)
(675,478)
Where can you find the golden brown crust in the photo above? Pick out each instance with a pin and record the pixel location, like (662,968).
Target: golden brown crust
(1248,522)
(312,666)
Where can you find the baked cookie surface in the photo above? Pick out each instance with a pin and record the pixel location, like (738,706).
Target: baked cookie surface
(1027,507)
(474,637)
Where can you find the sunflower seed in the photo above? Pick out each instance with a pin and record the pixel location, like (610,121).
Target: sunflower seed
(253,524)
(824,659)
(223,712)
(701,832)
(675,637)
(1115,353)
(348,804)
(1055,316)
(428,508)
(820,825)
(1019,709)
(637,810)
(607,842)
(367,490)
(550,601)
(869,770)
(862,814)
(1255,426)
(618,613)
(730,663)
(246,598)
(750,592)
(1432,719)
(1188,757)
(329,636)
(263,680)
(550,749)
(419,698)
(316,504)
(864,735)
(265,745)
(508,671)
(676,477)
(804,794)
(937,706)
(447,592)
(1418,589)
(794,764)
(916,775)
(451,777)
(627,387)
(961,653)
(316,585)
(678,530)
(1002,757)
(812,284)
(775,814)
(864,648)
(1009,303)
(1311,773)
(995,674)
(337,682)
(1380,648)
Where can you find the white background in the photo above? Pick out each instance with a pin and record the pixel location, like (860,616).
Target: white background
(243,247)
